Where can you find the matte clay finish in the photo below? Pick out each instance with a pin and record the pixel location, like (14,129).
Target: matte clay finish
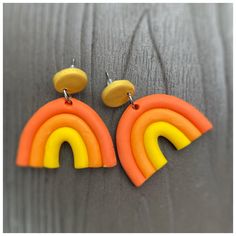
(116,93)
(183,50)
(168,131)
(58,121)
(149,117)
(73,80)
(144,104)
(54,142)
(57,107)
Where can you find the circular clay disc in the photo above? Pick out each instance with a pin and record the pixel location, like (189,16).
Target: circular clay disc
(73,80)
(116,93)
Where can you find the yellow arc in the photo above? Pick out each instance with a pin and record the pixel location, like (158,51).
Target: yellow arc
(54,142)
(174,135)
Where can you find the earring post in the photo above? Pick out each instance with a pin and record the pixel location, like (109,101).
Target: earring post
(73,63)
(109,80)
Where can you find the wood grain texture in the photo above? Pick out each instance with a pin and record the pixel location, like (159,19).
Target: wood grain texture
(179,49)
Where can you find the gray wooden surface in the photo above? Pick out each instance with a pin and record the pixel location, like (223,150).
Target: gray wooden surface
(179,49)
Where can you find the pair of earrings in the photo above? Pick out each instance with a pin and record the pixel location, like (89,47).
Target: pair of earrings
(70,120)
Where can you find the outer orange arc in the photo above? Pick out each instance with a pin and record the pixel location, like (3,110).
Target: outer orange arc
(77,108)
(144,121)
(65,120)
(129,117)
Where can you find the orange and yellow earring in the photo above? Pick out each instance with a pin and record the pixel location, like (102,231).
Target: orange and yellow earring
(144,121)
(66,120)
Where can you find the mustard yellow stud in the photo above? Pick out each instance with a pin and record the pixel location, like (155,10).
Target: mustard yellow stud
(71,80)
(117,92)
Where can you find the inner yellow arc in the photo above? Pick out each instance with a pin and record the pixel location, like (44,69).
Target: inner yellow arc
(54,142)
(174,135)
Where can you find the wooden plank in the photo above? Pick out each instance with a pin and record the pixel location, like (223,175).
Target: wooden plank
(179,49)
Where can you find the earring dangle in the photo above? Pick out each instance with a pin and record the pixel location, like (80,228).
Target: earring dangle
(144,121)
(66,120)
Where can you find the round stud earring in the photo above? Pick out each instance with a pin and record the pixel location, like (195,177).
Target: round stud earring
(115,93)
(144,121)
(66,120)
(72,79)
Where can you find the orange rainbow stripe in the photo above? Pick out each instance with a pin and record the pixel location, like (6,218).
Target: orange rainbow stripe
(157,115)
(75,123)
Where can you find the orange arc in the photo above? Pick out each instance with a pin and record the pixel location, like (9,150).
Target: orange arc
(144,121)
(129,117)
(58,121)
(77,108)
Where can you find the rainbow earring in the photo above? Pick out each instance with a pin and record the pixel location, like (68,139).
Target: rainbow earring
(66,120)
(144,121)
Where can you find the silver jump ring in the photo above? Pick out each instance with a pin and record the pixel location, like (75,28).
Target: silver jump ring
(131,100)
(67,96)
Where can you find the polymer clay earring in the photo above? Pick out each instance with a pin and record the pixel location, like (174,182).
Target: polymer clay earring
(66,120)
(144,121)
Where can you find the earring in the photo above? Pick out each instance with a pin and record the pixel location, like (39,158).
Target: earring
(144,121)
(66,120)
